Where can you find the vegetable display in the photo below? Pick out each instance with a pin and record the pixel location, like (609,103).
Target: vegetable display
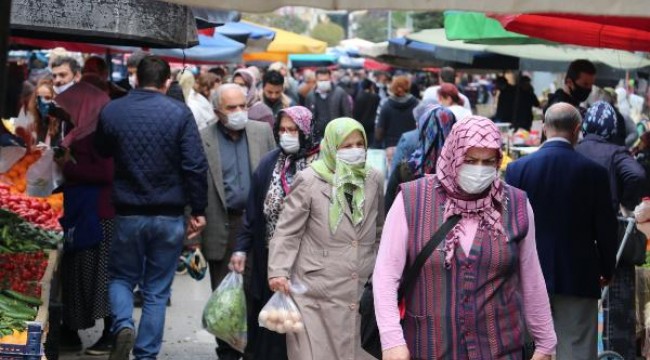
(36,211)
(224,315)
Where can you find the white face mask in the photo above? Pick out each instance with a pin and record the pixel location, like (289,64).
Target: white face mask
(474,179)
(59,89)
(133,81)
(352,156)
(237,120)
(289,143)
(324,86)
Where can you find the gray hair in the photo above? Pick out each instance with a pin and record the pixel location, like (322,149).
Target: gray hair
(216,100)
(562,117)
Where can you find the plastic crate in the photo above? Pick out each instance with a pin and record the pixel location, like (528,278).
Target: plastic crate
(33,350)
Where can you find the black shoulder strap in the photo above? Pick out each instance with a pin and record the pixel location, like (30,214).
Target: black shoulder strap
(412,273)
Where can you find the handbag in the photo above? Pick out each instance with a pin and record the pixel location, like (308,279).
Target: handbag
(370,341)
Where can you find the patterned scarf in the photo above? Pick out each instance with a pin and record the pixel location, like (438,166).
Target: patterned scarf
(288,165)
(472,132)
(436,124)
(344,178)
(601,120)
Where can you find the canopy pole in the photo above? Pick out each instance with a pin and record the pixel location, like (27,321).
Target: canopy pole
(5,17)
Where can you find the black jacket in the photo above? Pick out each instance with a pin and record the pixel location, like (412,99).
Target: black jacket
(575,224)
(160,166)
(396,118)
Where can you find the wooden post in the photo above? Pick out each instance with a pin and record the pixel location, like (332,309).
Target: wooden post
(5,16)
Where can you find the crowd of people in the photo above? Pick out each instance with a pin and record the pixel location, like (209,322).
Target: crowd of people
(268,176)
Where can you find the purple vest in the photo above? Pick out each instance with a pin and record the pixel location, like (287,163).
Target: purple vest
(473,310)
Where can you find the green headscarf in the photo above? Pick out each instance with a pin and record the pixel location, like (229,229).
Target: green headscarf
(343,177)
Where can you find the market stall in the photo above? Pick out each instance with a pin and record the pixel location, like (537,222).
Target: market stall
(30,237)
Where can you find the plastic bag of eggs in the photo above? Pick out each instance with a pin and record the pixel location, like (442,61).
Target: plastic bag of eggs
(281,315)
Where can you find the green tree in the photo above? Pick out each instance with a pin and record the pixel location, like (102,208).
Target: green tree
(372,27)
(427,20)
(330,33)
(289,22)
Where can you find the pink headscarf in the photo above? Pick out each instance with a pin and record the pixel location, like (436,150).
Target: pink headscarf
(473,132)
(83,102)
(249,79)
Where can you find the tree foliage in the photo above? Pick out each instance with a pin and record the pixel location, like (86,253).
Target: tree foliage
(330,33)
(427,20)
(372,27)
(288,22)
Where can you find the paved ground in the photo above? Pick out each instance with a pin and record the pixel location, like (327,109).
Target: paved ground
(184,337)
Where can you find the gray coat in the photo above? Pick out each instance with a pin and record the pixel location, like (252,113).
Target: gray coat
(214,239)
(334,268)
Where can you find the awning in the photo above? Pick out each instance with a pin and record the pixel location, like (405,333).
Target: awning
(209,18)
(478,28)
(312,60)
(256,38)
(285,43)
(623,33)
(610,7)
(114,22)
(211,50)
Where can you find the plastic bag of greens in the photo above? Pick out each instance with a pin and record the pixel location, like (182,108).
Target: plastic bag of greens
(281,315)
(224,316)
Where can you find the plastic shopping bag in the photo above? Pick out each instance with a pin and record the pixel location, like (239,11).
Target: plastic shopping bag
(224,316)
(40,176)
(9,156)
(281,315)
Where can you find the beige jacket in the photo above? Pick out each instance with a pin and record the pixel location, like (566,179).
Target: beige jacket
(214,239)
(333,267)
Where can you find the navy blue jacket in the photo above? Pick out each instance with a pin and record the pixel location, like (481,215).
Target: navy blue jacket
(626,175)
(252,235)
(160,165)
(575,224)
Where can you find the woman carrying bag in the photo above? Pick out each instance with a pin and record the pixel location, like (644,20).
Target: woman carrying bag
(483,281)
(327,237)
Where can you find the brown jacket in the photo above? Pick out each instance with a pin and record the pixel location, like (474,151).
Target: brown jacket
(334,268)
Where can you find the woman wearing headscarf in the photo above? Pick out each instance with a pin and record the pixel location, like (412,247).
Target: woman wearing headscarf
(326,238)
(483,281)
(602,143)
(270,186)
(257,110)
(88,210)
(435,125)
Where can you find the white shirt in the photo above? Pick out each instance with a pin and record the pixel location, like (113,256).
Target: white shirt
(201,108)
(432,93)
(460,112)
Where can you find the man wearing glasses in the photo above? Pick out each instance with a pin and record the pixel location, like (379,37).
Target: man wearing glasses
(234,146)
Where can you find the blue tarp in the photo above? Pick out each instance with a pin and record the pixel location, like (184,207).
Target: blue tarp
(215,49)
(242,31)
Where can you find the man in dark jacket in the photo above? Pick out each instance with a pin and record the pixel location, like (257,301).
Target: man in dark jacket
(365,108)
(579,79)
(160,169)
(327,102)
(575,229)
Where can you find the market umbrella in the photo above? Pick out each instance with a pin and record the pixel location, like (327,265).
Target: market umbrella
(211,50)
(256,38)
(149,23)
(285,43)
(312,60)
(623,33)
(209,18)
(610,7)
(478,28)
(539,56)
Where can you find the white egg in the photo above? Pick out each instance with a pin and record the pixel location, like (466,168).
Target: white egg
(271,326)
(295,316)
(273,315)
(280,329)
(288,324)
(283,314)
(264,315)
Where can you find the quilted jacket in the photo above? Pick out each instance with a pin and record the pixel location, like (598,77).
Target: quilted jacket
(160,165)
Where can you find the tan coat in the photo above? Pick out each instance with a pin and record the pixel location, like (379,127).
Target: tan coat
(333,267)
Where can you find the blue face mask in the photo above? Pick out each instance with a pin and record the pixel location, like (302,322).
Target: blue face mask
(43,106)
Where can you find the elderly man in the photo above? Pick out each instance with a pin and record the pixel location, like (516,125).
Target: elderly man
(65,73)
(575,226)
(234,146)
